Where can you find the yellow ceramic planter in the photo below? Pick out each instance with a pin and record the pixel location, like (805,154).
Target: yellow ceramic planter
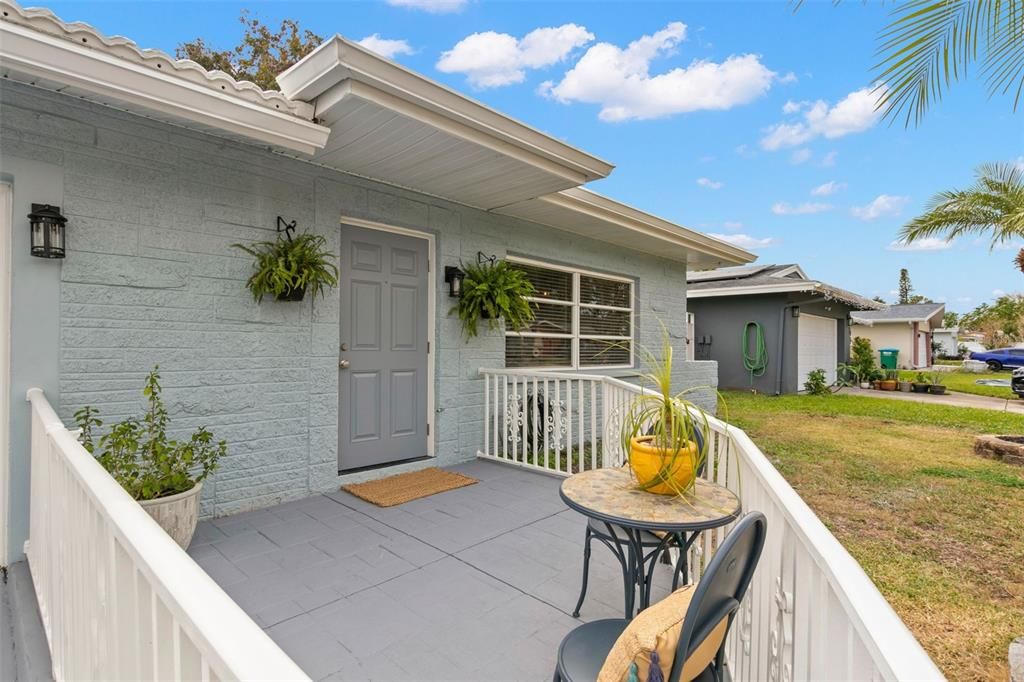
(648,461)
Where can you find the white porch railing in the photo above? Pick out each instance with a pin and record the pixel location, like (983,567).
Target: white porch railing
(811,613)
(119,599)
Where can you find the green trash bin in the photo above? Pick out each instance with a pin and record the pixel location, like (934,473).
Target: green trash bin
(888,357)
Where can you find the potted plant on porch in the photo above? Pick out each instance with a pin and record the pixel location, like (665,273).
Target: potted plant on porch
(891,380)
(665,435)
(494,290)
(936,387)
(165,475)
(920,383)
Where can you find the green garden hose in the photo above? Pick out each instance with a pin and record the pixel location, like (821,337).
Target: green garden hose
(755,362)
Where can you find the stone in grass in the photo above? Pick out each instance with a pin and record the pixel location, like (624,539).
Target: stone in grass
(1009,449)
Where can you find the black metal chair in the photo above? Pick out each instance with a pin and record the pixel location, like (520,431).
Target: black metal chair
(718,595)
(597,530)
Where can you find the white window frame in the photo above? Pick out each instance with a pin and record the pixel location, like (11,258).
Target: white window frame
(574,336)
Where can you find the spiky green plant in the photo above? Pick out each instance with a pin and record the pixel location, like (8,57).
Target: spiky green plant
(494,291)
(287,268)
(668,417)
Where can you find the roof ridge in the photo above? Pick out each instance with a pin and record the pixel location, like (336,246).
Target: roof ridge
(46,21)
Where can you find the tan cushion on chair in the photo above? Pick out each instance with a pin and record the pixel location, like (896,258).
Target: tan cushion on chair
(657,628)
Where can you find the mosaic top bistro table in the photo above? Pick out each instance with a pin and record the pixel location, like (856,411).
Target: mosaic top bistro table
(611,497)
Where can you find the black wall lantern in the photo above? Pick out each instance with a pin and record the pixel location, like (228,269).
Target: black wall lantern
(46,231)
(453,277)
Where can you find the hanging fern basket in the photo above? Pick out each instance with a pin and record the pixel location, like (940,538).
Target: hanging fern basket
(293,294)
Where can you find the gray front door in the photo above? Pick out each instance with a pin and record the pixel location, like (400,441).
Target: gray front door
(382,381)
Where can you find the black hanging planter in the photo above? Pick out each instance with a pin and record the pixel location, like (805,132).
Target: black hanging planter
(296,294)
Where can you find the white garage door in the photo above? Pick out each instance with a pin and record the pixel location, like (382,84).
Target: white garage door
(816,347)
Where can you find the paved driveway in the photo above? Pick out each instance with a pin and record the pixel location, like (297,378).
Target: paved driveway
(983,402)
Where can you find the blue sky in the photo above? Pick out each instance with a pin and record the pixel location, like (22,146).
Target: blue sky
(726,117)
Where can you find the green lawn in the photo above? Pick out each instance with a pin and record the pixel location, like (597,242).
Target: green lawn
(936,527)
(965,382)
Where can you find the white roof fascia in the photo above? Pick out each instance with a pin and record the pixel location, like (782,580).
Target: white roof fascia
(609,210)
(901,320)
(790,270)
(338,60)
(28,53)
(798,285)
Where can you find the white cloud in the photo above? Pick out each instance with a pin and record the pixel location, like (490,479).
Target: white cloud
(964,299)
(926,244)
(386,47)
(828,189)
(788,79)
(745,151)
(802,155)
(855,113)
(619,80)
(1019,163)
(432,6)
(710,184)
(791,107)
(828,160)
(491,59)
(882,206)
(732,225)
(998,292)
(745,241)
(807,208)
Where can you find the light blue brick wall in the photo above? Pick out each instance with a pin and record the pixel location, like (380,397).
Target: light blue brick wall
(150,278)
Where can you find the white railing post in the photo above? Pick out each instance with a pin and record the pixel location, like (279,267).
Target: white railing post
(811,611)
(118,598)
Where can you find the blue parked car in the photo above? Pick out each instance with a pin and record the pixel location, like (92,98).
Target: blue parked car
(998,358)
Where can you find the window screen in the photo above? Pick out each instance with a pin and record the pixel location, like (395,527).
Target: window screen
(581,320)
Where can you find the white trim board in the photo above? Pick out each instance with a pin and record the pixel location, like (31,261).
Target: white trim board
(6,245)
(432,284)
(55,63)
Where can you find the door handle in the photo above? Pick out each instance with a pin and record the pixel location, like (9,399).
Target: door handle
(343,364)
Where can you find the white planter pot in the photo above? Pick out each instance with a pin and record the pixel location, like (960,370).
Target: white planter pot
(177,514)
(865,384)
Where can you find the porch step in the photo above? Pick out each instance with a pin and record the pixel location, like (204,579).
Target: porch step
(24,654)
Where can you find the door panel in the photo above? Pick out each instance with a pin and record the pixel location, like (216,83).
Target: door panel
(382,397)
(817,347)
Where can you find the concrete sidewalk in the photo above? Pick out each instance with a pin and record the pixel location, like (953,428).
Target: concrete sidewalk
(951,398)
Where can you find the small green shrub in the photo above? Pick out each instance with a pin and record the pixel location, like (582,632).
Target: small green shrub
(138,454)
(288,268)
(862,359)
(494,291)
(816,383)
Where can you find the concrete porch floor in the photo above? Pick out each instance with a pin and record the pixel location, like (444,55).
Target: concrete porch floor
(472,584)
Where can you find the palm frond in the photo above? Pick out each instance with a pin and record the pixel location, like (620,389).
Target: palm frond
(994,204)
(930,44)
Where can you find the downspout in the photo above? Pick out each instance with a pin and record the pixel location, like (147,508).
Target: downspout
(782,340)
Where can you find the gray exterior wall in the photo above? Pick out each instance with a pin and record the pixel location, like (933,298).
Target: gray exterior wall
(150,278)
(723,319)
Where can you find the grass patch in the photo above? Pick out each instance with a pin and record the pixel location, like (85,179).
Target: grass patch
(935,527)
(946,416)
(965,382)
(986,475)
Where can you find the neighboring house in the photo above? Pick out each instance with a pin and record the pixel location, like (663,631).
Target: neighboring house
(159,166)
(804,324)
(908,328)
(946,340)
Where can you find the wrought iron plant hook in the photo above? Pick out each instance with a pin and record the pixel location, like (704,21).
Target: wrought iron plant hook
(482,258)
(286,227)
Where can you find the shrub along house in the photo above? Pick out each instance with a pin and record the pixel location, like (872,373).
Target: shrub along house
(768,326)
(159,166)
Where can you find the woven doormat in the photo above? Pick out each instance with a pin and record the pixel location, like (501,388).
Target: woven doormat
(387,492)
